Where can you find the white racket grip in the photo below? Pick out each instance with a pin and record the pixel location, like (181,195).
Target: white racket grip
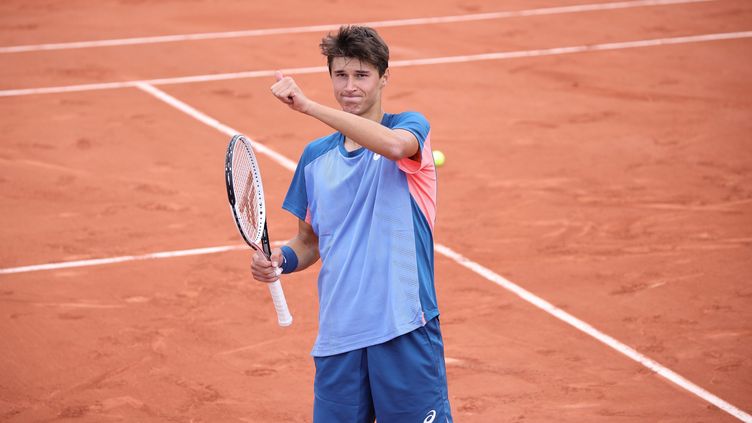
(284,318)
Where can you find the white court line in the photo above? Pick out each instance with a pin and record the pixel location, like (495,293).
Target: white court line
(595,333)
(331,27)
(159,81)
(397,63)
(121,259)
(210,121)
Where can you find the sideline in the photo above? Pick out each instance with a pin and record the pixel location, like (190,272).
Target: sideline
(477,268)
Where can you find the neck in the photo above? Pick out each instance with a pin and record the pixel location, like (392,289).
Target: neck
(375,114)
(351,145)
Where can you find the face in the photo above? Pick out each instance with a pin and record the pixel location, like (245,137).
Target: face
(357,86)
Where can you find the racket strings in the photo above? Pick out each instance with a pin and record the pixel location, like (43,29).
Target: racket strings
(248,202)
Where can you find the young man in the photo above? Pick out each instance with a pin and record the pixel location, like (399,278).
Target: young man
(365,197)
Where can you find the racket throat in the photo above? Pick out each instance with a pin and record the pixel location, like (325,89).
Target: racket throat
(265,242)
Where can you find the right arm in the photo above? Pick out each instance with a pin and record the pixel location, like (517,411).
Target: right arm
(394,144)
(306,247)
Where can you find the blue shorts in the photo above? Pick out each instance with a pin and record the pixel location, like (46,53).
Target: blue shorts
(401,380)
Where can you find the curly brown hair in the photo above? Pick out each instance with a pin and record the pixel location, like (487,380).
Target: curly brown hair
(359,42)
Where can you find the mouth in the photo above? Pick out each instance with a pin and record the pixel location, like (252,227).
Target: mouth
(351,102)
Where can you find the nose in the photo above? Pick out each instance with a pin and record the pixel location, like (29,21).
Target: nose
(350,84)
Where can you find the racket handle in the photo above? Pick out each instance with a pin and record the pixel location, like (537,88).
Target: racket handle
(284,318)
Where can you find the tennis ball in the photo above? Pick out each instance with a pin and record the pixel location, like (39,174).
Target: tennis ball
(438,157)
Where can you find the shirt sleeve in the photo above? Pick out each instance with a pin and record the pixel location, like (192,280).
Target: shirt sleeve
(296,200)
(418,125)
(421,175)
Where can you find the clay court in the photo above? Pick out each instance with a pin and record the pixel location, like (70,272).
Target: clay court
(594,229)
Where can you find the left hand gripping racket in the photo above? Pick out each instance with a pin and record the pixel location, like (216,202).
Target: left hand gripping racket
(246,195)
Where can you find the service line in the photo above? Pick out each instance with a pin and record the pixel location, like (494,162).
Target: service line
(121,259)
(505,55)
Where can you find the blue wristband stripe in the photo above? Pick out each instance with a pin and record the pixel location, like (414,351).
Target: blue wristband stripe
(290,262)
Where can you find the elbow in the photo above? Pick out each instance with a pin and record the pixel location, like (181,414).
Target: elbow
(399,145)
(394,154)
(397,150)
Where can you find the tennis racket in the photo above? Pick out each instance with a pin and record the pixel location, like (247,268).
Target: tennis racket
(246,195)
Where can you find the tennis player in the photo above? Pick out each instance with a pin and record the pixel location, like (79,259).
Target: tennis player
(365,197)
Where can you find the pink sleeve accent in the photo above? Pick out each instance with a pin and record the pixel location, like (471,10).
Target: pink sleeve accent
(421,179)
(308,216)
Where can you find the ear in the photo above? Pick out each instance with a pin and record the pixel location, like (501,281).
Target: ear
(385,78)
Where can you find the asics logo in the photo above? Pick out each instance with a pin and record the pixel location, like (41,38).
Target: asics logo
(430,417)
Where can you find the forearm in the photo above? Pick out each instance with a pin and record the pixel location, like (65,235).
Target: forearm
(372,135)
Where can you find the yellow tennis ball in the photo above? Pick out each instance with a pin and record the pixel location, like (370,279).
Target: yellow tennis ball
(438,157)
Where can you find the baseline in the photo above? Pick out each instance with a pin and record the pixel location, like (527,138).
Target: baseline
(330,27)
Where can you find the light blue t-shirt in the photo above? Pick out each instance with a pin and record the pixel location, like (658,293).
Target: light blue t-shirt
(374,220)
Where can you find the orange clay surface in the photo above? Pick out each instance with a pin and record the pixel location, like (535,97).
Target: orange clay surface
(617,185)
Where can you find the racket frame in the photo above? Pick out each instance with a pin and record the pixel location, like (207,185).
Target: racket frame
(284,318)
